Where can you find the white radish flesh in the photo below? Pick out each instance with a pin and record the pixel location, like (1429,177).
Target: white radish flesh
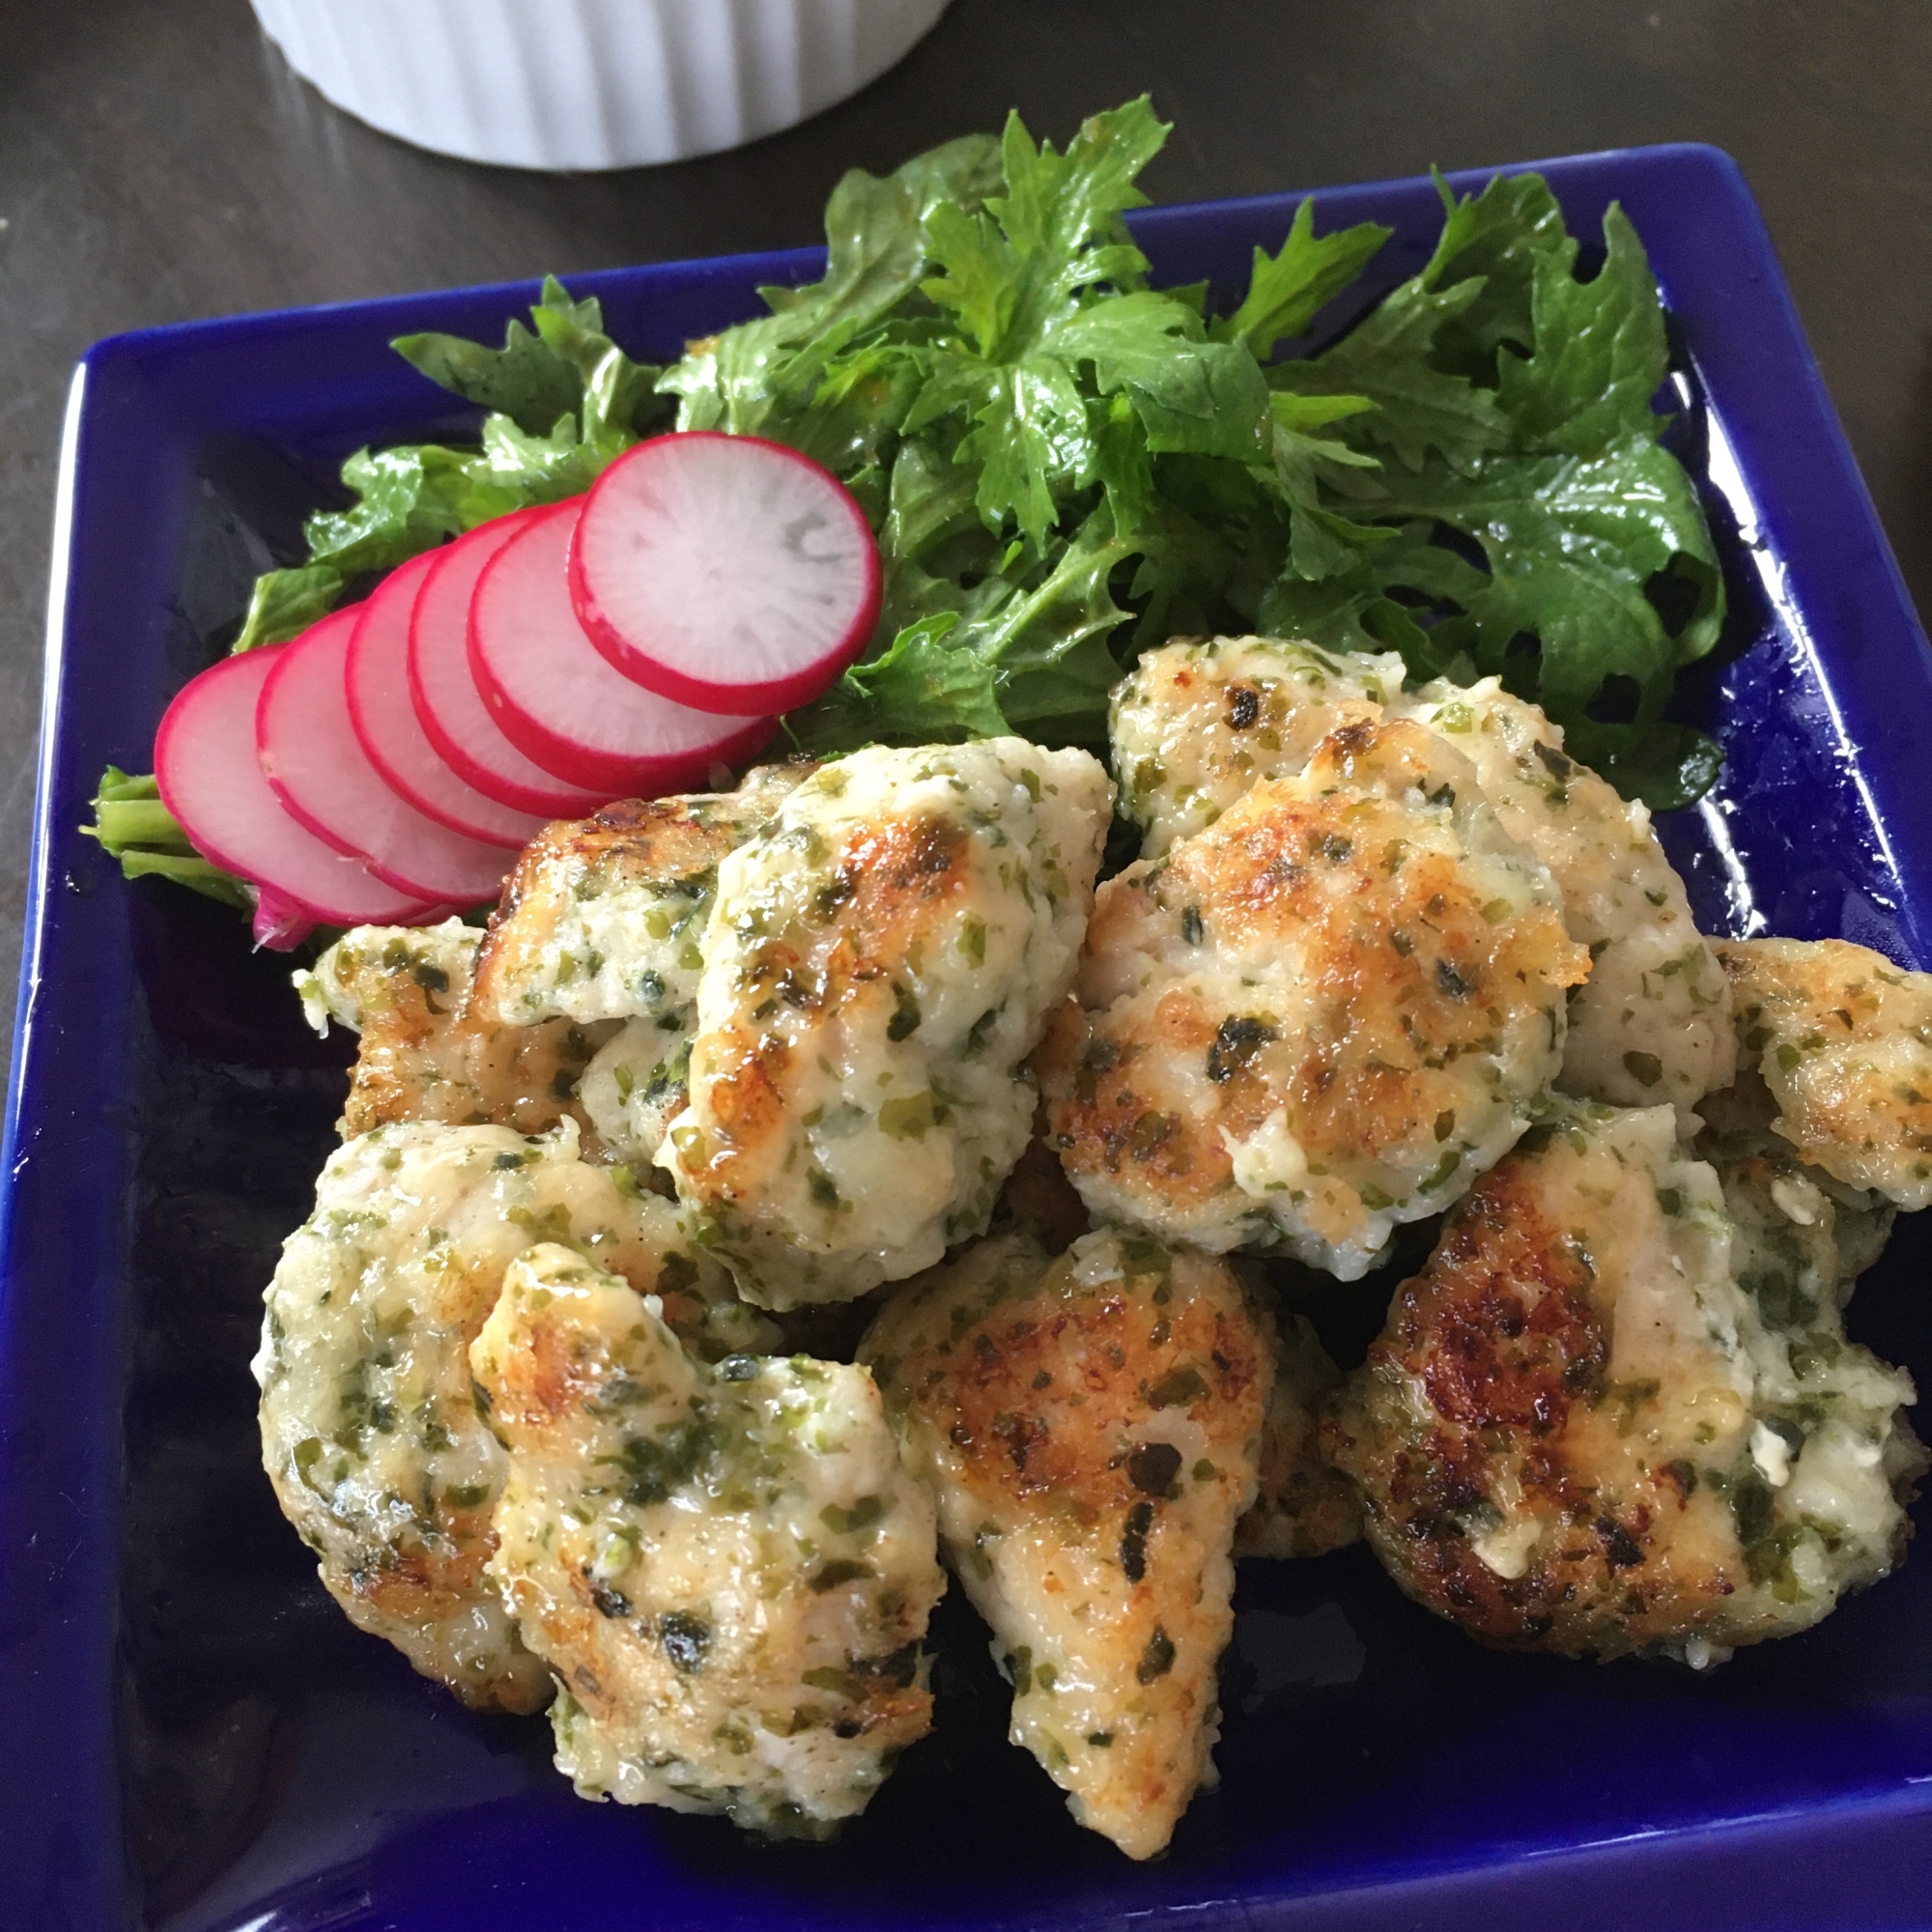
(309,752)
(724,572)
(557,698)
(211,780)
(447,701)
(390,732)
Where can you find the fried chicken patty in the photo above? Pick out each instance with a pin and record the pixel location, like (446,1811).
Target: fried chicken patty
(1653,1021)
(1802,1237)
(1843,1041)
(1196,724)
(1578,1433)
(1303,1505)
(369,1433)
(424,1056)
(600,921)
(1323,1017)
(879,962)
(729,1569)
(1091,1424)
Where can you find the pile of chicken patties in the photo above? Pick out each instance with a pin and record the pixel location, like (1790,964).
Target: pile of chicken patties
(699,1268)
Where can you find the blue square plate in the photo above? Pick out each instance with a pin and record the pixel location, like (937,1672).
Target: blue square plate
(195,1738)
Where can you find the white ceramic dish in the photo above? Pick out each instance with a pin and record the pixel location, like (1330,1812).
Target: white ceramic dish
(580,84)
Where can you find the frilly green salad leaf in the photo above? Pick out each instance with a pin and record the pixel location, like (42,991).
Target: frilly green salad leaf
(1065,464)
(563,402)
(1512,409)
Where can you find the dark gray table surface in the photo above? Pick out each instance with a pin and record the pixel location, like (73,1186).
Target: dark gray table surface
(159,163)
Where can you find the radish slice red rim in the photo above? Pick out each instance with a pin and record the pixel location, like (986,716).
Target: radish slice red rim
(557,698)
(211,780)
(386,725)
(310,754)
(447,703)
(280,925)
(724,572)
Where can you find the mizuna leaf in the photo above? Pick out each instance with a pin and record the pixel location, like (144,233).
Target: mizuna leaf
(1286,291)
(1418,409)
(1600,351)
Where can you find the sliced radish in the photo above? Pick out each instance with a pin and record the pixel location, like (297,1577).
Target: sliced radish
(280,925)
(211,780)
(392,733)
(724,572)
(447,701)
(311,756)
(557,697)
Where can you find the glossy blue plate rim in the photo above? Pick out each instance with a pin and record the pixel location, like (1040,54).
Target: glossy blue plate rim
(1807,532)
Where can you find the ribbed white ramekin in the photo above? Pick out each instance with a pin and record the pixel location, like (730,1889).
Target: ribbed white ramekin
(589,83)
